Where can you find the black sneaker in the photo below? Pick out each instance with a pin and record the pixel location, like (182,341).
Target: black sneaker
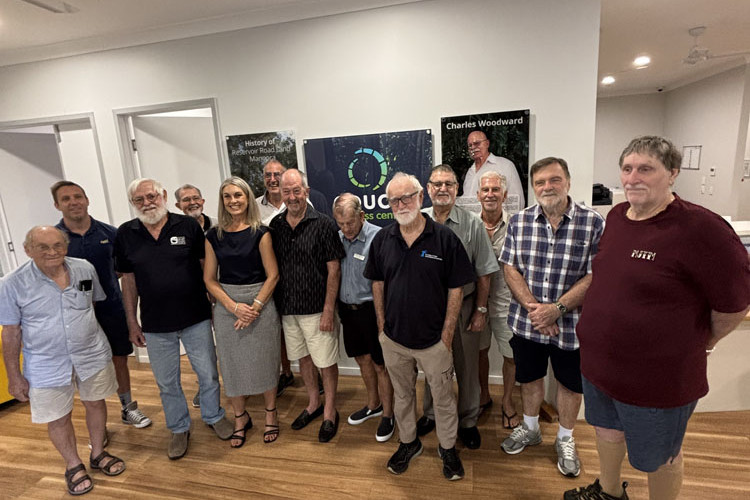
(425,425)
(365,414)
(399,462)
(594,492)
(385,429)
(284,382)
(453,469)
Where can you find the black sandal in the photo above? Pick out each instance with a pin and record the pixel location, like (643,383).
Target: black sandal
(273,434)
(70,473)
(106,469)
(247,427)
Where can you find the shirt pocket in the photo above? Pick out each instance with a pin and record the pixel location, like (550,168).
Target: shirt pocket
(81,300)
(578,255)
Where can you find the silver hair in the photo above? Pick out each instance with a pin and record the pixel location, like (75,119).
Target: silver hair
(301,174)
(185,186)
(274,160)
(491,174)
(134,186)
(347,201)
(402,175)
(29,239)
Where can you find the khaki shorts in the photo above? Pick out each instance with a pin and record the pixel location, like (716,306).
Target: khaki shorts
(497,327)
(52,403)
(303,338)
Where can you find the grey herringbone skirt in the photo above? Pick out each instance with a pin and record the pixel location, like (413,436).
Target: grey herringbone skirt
(248,358)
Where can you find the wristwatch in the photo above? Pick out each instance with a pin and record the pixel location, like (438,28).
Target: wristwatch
(482,309)
(561,307)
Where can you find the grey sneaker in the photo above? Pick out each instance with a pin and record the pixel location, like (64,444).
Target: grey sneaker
(567,457)
(131,415)
(223,428)
(520,438)
(594,492)
(178,445)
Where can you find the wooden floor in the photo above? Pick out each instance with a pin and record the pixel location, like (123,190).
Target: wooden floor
(717,457)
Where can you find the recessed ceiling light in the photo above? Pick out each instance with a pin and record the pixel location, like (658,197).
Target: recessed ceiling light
(641,61)
(608,80)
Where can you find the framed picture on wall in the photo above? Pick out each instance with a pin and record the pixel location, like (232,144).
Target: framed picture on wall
(691,158)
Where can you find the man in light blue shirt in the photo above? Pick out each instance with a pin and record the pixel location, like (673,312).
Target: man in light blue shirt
(357,313)
(47,306)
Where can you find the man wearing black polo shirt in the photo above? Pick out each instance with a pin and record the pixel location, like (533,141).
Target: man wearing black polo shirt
(94,241)
(160,256)
(418,270)
(308,250)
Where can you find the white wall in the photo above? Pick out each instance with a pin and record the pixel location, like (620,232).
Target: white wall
(708,113)
(176,151)
(618,120)
(29,165)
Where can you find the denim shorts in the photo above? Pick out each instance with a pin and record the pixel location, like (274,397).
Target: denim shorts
(653,435)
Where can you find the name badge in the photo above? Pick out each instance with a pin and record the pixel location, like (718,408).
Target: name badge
(104,242)
(177,240)
(359,257)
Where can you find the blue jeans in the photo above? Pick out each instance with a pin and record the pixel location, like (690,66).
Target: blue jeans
(164,355)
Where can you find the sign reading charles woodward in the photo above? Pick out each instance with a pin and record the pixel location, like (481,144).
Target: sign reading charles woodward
(363,165)
(473,144)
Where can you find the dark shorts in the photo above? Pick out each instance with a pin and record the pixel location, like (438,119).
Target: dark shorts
(652,435)
(531,363)
(112,320)
(361,331)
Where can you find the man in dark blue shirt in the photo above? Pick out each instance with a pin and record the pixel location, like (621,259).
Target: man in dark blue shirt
(94,241)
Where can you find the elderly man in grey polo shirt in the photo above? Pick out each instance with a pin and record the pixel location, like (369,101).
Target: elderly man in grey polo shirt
(442,188)
(47,306)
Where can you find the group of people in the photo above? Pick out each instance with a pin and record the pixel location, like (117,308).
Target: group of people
(625,315)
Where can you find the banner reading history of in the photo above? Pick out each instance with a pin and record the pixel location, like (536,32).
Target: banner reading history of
(498,141)
(249,152)
(363,165)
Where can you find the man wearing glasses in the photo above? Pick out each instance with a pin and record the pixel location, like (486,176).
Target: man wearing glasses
(442,188)
(160,256)
(479,150)
(190,201)
(418,269)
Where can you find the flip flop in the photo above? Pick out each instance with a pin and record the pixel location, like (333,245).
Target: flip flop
(508,418)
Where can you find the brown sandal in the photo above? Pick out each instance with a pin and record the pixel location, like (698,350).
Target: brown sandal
(107,469)
(70,473)
(273,434)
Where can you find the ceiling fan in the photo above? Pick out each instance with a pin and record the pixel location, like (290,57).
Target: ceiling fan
(698,54)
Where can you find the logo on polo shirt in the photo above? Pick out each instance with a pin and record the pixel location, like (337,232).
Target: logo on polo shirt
(430,256)
(643,254)
(104,242)
(177,240)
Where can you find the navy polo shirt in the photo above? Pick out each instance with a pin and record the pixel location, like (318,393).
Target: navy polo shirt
(417,279)
(97,246)
(168,272)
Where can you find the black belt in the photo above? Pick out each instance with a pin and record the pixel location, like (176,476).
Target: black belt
(355,307)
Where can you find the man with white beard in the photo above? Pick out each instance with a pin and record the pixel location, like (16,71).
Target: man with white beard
(190,200)
(418,269)
(160,257)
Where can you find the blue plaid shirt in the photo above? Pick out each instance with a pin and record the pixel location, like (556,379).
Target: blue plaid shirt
(551,262)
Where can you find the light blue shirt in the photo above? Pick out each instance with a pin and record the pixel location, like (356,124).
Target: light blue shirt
(355,288)
(59,331)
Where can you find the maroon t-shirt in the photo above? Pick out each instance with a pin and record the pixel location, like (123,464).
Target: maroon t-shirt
(647,315)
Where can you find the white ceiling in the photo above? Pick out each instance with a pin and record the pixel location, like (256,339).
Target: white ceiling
(628,28)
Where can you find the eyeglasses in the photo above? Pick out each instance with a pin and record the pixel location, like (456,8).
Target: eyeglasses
(439,184)
(188,199)
(475,144)
(271,175)
(57,248)
(151,197)
(405,199)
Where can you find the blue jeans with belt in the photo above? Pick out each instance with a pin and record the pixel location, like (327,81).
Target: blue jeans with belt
(164,356)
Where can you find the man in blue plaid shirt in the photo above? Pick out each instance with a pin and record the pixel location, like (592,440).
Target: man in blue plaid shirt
(547,258)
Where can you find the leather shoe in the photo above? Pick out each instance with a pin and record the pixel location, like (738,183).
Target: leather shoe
(305,418)
(328,429)
(223,428)
(178,445)
(425,425)
(470,437)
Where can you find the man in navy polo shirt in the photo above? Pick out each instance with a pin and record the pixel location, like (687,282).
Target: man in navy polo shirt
(418,270)
(160,256)
(94,241)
